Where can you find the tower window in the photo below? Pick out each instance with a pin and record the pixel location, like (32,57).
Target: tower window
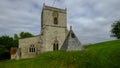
(32,48)
(55,20)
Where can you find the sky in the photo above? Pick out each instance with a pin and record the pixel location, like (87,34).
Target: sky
(91,20)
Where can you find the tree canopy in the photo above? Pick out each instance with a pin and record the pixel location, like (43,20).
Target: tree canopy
(116,29)
(25,35)
(6,42)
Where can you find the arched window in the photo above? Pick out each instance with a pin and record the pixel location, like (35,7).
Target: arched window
(55,47)
(32,48)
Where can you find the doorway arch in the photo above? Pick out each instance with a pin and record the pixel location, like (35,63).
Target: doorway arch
(55,45)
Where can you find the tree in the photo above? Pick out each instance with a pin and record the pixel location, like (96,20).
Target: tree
(116,29)
(15,40)
(16,37)
(25,35)
(6,43)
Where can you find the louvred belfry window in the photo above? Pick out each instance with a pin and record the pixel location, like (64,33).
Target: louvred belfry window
(55,17)
(55,20)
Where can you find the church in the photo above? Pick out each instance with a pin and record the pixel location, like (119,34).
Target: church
(54,35)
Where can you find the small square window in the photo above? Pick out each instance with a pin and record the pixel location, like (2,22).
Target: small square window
(72,35)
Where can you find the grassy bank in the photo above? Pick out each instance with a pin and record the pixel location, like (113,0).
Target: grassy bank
(100,55)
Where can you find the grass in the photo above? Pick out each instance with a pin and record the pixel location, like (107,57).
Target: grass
(100,55)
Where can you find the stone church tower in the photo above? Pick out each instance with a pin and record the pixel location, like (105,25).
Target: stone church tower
(54,35)
(54,28)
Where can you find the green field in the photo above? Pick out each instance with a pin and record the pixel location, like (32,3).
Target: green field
(100,55)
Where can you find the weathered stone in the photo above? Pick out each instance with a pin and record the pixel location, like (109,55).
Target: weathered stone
(71,42)
(13,51)
(53,33)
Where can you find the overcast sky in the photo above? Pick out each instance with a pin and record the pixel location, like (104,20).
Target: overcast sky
(91,19)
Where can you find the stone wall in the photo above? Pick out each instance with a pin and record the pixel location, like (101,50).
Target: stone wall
(52,31)
(24,45)
(51,34)
(48,19)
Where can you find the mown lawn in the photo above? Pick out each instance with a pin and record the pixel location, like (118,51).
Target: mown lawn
(100,55)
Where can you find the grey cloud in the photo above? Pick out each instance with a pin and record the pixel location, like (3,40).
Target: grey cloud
(17,16)
(91,19)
